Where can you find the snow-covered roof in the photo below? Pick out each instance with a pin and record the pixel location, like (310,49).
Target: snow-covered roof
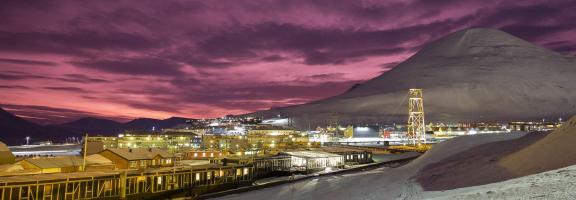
(341,150)
(55,162)
(140,153)
(98,160)
(310,154)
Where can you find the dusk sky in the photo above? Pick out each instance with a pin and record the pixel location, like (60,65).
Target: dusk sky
(62,60)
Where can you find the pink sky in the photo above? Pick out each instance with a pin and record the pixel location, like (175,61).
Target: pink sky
(62,60)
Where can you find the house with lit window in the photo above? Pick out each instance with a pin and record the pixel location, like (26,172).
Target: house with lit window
(138,158)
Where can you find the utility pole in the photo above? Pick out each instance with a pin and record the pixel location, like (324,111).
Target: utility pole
(85,151)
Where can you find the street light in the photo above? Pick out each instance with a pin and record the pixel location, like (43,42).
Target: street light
(27,140)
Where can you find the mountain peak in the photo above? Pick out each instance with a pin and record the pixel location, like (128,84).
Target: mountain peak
(475,74)
(481,42)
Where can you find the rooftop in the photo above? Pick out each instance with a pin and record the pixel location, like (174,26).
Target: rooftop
(310,154)
(341,149)
(140,153)
(55,162)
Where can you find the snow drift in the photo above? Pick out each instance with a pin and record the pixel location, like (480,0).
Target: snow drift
(500,161)
(554,151)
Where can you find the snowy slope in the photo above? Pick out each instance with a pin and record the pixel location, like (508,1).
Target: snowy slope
(474,74)
(555,184)
(554,151)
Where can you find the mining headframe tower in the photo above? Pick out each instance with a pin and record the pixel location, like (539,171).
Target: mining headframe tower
(416,128)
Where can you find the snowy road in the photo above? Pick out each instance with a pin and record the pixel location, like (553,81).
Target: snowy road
(378,184)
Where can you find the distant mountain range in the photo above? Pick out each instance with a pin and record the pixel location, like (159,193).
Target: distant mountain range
(97,126)
(14,129)
(471,75)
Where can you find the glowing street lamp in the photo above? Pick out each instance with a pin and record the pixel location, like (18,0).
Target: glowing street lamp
(27,140)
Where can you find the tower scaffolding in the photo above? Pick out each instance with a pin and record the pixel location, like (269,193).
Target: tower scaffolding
(416,127)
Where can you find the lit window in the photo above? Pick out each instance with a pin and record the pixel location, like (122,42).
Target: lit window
(133,164)
(203,154)
(197,176)
(159,180)
(195,154)
(211,154)
(168,161)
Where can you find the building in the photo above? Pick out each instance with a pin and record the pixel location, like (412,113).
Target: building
(104,142)
(366,132)
(224,142)
(533,126)
(6,156)
(271,130)
(44,165)
(97,162)
(312,161)
(282,122)
(351,155)
(271,165)
(170,142)
(204,155)
(138,158)
(153,183)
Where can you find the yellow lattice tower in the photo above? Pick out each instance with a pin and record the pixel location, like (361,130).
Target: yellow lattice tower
(416,126)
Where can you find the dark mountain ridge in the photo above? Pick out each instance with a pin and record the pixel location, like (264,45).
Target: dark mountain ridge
(14,129)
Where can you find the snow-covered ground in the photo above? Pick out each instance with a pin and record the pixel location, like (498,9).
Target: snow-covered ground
(378,184)
(555,184)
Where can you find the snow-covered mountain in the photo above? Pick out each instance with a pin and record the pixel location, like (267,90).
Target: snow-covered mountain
(471,75)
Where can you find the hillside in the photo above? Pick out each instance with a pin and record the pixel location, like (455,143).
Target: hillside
(97,126)
(92,125)
(470,75)
(14,129)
